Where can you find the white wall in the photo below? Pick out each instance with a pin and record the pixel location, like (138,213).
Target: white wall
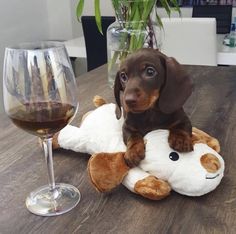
(105,6)
(59,17)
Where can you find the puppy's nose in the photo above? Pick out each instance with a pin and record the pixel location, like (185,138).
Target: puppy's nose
(131,99)
(210,162)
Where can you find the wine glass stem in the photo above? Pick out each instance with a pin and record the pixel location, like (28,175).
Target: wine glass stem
(47,146)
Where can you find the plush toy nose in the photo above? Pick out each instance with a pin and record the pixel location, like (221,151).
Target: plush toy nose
(210,162)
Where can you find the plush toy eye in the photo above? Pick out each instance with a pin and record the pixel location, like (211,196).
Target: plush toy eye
(150,71)
(123,77)
(174,156)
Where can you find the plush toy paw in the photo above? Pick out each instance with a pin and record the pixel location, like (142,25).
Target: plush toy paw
(152,188)
(107,170)
(180,141)
(135,152)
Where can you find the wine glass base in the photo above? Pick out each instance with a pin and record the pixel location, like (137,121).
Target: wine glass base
(45,202)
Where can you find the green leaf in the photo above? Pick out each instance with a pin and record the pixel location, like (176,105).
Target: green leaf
(148,6)
(115,4)
(79,9)
(98,15)
(133,11)
(158,19)
(175,6)
(166,5)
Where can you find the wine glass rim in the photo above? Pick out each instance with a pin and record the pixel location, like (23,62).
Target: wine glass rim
(38,45)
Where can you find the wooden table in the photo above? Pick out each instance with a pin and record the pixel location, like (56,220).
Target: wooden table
(22,169)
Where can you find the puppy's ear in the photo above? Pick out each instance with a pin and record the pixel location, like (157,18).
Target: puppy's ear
(117,89)
(177,87)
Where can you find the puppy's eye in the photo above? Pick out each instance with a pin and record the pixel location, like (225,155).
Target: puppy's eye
(174,156)
(123,77)
(150,71)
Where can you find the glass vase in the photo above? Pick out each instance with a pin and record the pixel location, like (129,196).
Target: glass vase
(130,32)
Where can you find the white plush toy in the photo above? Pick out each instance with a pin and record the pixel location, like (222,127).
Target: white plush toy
(193,174)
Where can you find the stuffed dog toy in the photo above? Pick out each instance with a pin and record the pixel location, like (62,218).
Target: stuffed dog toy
(152,89)
(194,173)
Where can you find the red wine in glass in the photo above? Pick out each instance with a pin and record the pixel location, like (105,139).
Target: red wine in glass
(42,119)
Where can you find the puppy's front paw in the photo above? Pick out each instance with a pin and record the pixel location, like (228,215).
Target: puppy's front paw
(180,141)
(135,153)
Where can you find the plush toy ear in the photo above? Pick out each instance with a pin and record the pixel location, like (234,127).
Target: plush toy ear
(107,170)
(177,87)
(117,89)
(199,136)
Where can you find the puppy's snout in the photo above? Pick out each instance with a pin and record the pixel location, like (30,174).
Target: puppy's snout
(210,162)
(131,99)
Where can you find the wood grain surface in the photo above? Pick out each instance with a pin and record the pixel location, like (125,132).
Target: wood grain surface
(211,108)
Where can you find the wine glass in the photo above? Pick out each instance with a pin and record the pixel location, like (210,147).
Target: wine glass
(40,97)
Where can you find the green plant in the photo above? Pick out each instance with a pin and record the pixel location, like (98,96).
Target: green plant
(136,10)
(133,16)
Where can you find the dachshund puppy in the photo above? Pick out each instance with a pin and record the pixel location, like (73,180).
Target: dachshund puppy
(152,89)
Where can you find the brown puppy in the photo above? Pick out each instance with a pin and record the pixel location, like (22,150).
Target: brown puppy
(152,89)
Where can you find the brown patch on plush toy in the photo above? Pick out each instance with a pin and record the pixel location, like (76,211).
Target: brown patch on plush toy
(198,136)
(152,188)
(210,162)
(107,170)
(55,144)
(98,101)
